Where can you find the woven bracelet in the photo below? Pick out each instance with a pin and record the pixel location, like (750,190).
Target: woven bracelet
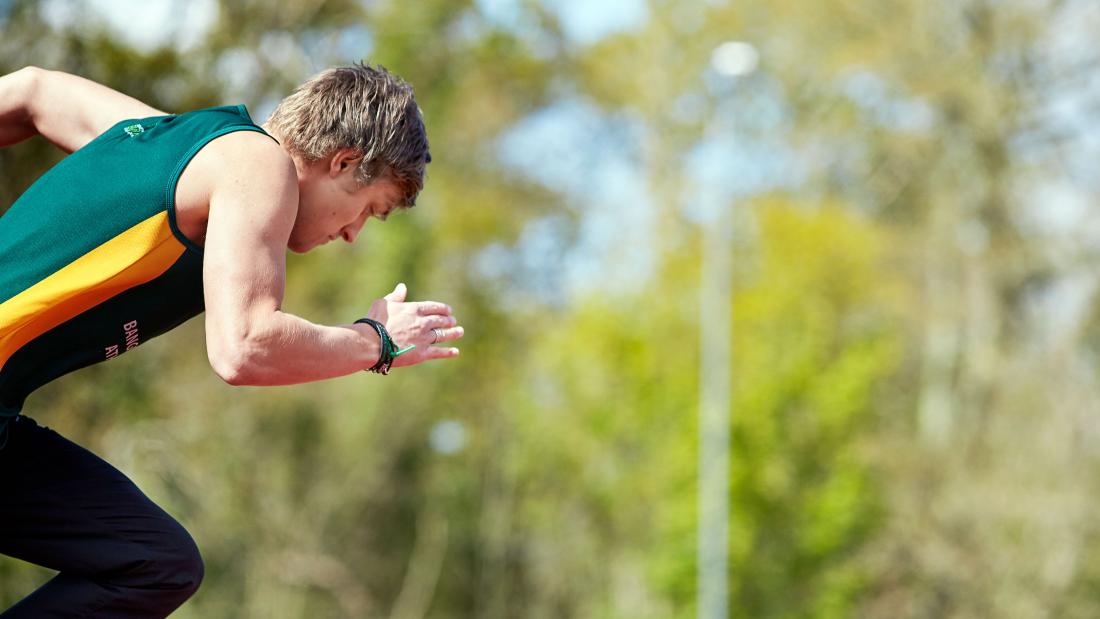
(387,350)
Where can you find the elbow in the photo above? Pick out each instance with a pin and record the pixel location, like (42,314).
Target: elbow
(241,351)
(27,81)
(232,365)
(18,92)
(229,370)
(20,105)
(31,72)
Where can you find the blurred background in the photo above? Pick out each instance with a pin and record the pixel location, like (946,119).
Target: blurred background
(773,309)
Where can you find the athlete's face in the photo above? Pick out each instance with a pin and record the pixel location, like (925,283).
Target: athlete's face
(333,205)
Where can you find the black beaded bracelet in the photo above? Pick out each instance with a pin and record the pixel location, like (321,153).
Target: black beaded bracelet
(387,350)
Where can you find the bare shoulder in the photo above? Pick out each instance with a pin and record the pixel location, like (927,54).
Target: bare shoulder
(248,141)
(249,154)
(242,167)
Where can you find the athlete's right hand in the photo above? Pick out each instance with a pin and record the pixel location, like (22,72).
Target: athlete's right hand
(424,323)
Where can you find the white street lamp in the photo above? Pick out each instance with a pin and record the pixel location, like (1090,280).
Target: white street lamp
(733,59)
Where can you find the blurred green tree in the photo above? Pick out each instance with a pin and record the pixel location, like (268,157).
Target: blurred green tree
(889,366)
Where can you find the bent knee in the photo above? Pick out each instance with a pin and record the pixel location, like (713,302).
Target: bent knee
(161,571)
(184,571)
(178,565)
(167,560)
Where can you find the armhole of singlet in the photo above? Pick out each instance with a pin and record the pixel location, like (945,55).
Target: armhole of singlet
(173,180)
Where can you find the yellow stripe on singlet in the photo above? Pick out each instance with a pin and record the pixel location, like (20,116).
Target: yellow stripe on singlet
(134,257)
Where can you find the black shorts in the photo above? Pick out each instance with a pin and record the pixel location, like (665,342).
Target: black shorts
(116,552)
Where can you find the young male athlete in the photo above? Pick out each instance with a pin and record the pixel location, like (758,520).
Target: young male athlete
(151,219)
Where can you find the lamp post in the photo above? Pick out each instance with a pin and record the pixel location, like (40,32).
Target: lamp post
(732,59)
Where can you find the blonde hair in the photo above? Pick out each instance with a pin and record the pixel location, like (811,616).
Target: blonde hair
(361,107)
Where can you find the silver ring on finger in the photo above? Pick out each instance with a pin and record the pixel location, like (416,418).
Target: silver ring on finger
(435,335)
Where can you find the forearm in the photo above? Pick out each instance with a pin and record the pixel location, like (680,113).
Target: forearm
(284,349)
(16,94)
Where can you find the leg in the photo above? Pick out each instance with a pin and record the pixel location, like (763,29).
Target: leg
(62,507)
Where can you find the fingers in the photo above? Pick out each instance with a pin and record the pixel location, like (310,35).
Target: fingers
(436,321)
(429,308)
(438,352)
(430,350)
(448,334)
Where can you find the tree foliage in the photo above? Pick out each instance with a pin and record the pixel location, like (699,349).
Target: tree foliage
(911,437)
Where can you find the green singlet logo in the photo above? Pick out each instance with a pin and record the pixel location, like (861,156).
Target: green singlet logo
(134,130)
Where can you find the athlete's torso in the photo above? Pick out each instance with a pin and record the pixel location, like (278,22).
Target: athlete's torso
(93,260)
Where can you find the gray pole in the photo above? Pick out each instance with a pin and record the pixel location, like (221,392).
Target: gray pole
(732,59)
(715,332)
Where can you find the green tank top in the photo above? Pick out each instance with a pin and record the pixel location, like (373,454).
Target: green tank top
(91,260)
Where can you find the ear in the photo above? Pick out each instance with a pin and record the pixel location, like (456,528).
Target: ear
(342,160)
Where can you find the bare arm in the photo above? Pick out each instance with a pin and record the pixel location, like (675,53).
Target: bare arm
(67,110)
(250,340)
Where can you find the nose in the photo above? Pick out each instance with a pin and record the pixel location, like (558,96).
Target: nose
(350,233)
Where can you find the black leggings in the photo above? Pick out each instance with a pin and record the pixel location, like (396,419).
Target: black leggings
(64,508)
